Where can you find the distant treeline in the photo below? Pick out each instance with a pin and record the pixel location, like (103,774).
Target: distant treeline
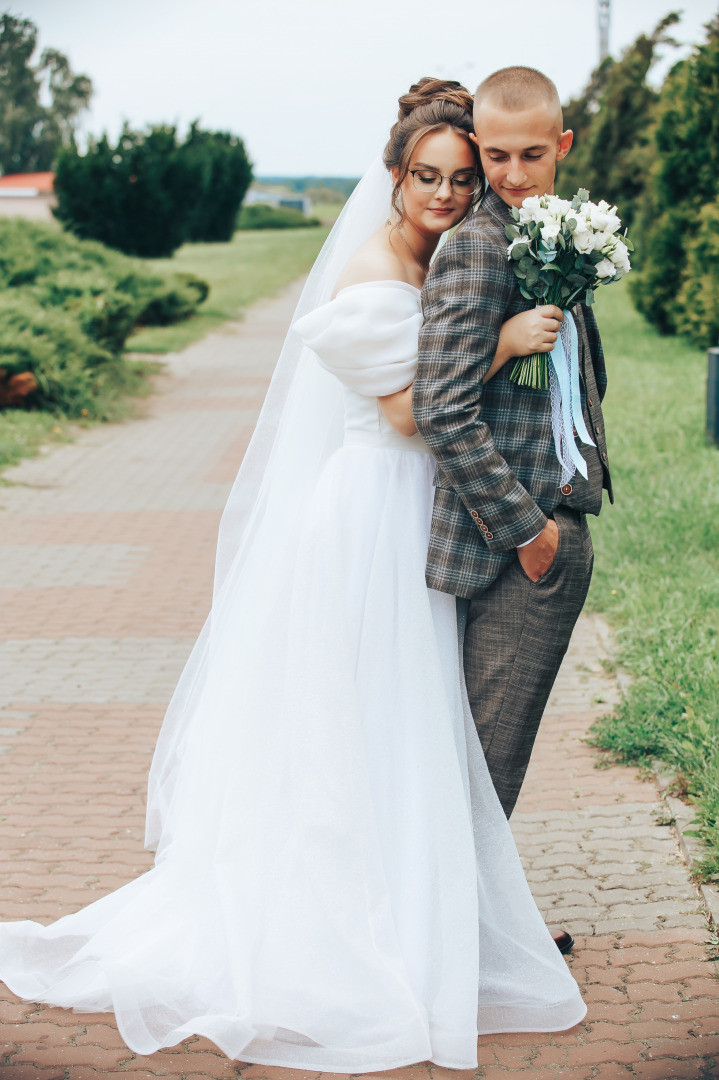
(342,185)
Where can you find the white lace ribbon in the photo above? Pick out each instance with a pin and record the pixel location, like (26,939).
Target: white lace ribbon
(566,401)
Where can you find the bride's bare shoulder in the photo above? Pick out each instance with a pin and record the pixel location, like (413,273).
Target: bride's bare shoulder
(373,261)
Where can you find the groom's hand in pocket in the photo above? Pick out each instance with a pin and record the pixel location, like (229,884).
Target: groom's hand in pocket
(537,557)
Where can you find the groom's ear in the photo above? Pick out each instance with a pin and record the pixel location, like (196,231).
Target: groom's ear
(564,144)
(474,138)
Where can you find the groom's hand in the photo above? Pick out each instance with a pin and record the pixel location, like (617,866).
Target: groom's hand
(537,557)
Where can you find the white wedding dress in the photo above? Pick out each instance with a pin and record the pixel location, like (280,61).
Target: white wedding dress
(336,886)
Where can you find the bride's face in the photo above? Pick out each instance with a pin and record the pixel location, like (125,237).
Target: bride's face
(432,209)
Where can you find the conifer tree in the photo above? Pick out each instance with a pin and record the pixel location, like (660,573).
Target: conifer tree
(612,123)
(678,223)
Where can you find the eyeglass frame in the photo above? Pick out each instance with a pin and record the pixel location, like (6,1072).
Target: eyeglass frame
(466,194)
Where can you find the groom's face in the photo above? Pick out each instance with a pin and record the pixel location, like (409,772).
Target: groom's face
(520,150)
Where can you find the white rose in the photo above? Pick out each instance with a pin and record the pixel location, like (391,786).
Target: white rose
(604,217)
(601,240)
(583,236)
(550,229)
(620,257)
(558,208)
(605,269)
(530,210)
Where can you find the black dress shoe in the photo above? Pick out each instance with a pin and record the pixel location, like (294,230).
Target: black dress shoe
(563,940)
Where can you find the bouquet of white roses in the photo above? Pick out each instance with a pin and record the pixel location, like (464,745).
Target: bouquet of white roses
(560,252)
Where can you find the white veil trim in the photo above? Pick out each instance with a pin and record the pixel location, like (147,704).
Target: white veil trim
(300,426)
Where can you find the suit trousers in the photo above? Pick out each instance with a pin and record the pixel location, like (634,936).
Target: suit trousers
(513,638)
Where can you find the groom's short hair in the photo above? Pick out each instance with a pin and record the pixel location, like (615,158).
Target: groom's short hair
(517,88)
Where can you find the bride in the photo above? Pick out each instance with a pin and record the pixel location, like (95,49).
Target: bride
(336,887)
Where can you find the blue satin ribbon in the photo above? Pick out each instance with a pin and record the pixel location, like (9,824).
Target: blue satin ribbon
(566,370)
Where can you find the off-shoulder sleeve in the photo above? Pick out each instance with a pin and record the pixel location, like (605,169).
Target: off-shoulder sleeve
(367,336)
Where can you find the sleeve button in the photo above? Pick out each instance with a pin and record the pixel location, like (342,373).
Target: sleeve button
(489,536)
(567,489)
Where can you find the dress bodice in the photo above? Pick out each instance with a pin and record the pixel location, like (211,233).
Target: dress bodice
(367,338)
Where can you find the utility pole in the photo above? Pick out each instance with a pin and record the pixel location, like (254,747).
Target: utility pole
(604,12)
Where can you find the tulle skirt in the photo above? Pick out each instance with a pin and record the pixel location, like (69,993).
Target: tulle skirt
(336,887)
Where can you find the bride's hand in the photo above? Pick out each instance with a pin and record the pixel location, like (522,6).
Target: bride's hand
(533,331)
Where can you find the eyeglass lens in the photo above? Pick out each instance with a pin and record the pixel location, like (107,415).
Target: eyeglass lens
(464,183)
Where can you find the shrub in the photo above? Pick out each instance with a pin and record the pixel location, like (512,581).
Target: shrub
(135,197)
(678,241)
(697,307)
(261,216)
(51,344)
(226,174)
(149,193)
(67,307)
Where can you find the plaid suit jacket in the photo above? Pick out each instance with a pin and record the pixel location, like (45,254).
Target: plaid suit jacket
(497,474)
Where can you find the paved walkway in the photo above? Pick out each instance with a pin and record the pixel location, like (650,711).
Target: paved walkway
(107,554)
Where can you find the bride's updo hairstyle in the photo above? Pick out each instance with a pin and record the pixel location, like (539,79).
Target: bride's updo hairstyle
(430,105)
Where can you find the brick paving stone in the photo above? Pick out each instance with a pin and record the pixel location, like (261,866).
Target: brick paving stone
(112,543)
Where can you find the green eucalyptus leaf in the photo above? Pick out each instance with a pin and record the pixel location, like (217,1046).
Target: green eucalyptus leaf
(511,232)
(519,252)
(589,298)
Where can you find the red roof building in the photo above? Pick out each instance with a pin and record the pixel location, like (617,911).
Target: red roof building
(41,182)
(28,195)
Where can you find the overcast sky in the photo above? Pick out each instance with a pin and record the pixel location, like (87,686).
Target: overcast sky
(311,85)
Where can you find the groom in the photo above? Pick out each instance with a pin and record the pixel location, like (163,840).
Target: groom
(506,536)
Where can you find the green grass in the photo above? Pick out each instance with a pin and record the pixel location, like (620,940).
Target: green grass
(327,212)
(657,566)
(23,432)
(252,266)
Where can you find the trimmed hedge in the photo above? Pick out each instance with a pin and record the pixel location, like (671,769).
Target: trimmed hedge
(67,307)
(149,193)
(262,216)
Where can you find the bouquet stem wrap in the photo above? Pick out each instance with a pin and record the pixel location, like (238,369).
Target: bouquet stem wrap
(565,395)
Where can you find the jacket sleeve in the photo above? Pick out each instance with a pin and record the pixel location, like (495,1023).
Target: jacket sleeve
(596,350)
(464,304)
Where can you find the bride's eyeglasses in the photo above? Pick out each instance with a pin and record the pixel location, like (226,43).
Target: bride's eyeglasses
(430,180)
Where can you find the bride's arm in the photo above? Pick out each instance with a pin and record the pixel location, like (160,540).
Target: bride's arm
(532,331)
(398,410)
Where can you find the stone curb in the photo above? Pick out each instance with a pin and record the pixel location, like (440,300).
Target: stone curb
(679,814)
(682,816)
